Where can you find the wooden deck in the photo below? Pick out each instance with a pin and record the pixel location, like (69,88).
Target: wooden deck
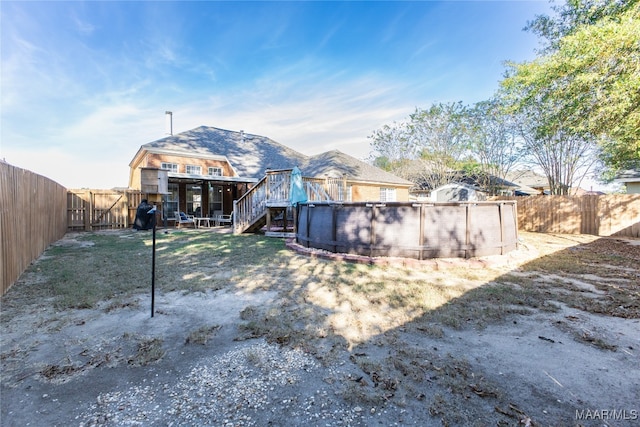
(259,207)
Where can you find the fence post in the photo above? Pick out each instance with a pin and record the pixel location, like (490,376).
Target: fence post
(308,219)
(467,236)
(421,236)
(501,219)
(372,238)
(87,209)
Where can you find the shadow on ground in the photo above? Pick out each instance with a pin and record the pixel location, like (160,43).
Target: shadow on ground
(248,333)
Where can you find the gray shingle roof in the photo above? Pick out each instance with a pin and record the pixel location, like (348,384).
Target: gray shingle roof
(251,155)
(527,178)
(629,175)
(335,164)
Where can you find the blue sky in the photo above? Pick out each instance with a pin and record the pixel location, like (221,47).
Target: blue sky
(84,84)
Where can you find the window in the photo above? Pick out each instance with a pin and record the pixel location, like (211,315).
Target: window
(387,194)
(345,194)
(215,171)
(172,200)
(215,198)
(194,200)
(171,167)
(193,170)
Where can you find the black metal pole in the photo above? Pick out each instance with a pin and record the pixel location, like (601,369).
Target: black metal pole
(153,268)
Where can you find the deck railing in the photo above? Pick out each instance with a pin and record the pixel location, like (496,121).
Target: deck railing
(273,191)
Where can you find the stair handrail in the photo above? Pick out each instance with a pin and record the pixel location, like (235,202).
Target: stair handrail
(249,206)
(273,189)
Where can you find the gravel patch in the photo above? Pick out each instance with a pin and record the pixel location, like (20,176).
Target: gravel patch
(250,386)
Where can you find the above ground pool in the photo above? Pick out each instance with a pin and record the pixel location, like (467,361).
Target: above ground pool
(412,230)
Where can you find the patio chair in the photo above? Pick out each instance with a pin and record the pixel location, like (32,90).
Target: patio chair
(183,218)
(221,219)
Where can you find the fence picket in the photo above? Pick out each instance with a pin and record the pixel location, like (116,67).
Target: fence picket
(36,211)
(599,215)
(32,216)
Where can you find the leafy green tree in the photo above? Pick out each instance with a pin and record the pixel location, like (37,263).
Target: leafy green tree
(571,15)
(587,84)
(428,148)
(440,135)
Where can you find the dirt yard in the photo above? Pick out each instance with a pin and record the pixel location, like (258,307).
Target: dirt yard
(249,333)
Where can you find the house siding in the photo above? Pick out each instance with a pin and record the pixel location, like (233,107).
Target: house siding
(633,187)
(370,193)
(135,178)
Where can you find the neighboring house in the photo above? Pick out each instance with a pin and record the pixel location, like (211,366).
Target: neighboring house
(208,168)
(478,187)
(529,183)
(631,179)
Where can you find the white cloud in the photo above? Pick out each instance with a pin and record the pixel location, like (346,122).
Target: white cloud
(78,112)
(318,117)
(82,26)
(71,169)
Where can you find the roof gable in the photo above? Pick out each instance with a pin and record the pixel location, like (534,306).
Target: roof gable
(528,178)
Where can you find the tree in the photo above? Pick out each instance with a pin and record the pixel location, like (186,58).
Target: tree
(564,156)
(393,143)
(588,81)
(440,134)
(429,148)
(495,142)
(572,15)
(394,148)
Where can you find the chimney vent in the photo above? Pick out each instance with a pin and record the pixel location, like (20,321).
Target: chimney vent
(169,122)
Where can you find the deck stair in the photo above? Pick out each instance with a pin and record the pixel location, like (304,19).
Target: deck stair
(270,196)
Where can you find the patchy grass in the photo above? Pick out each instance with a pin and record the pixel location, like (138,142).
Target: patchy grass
(118,265)
(374,317)
(202,335)
(108,269)
(81,276)
(114,267)
(149,351)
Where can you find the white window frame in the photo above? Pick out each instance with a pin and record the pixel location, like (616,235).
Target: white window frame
(387,194)
(172,200)
(345,194)
(171,167)
(193,170)
(213,169)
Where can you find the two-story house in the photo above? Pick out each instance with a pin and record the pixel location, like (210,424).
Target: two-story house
(208,168)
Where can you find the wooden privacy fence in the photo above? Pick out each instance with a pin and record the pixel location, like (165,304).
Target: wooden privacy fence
(605,215)
(32,216)
(101,209)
